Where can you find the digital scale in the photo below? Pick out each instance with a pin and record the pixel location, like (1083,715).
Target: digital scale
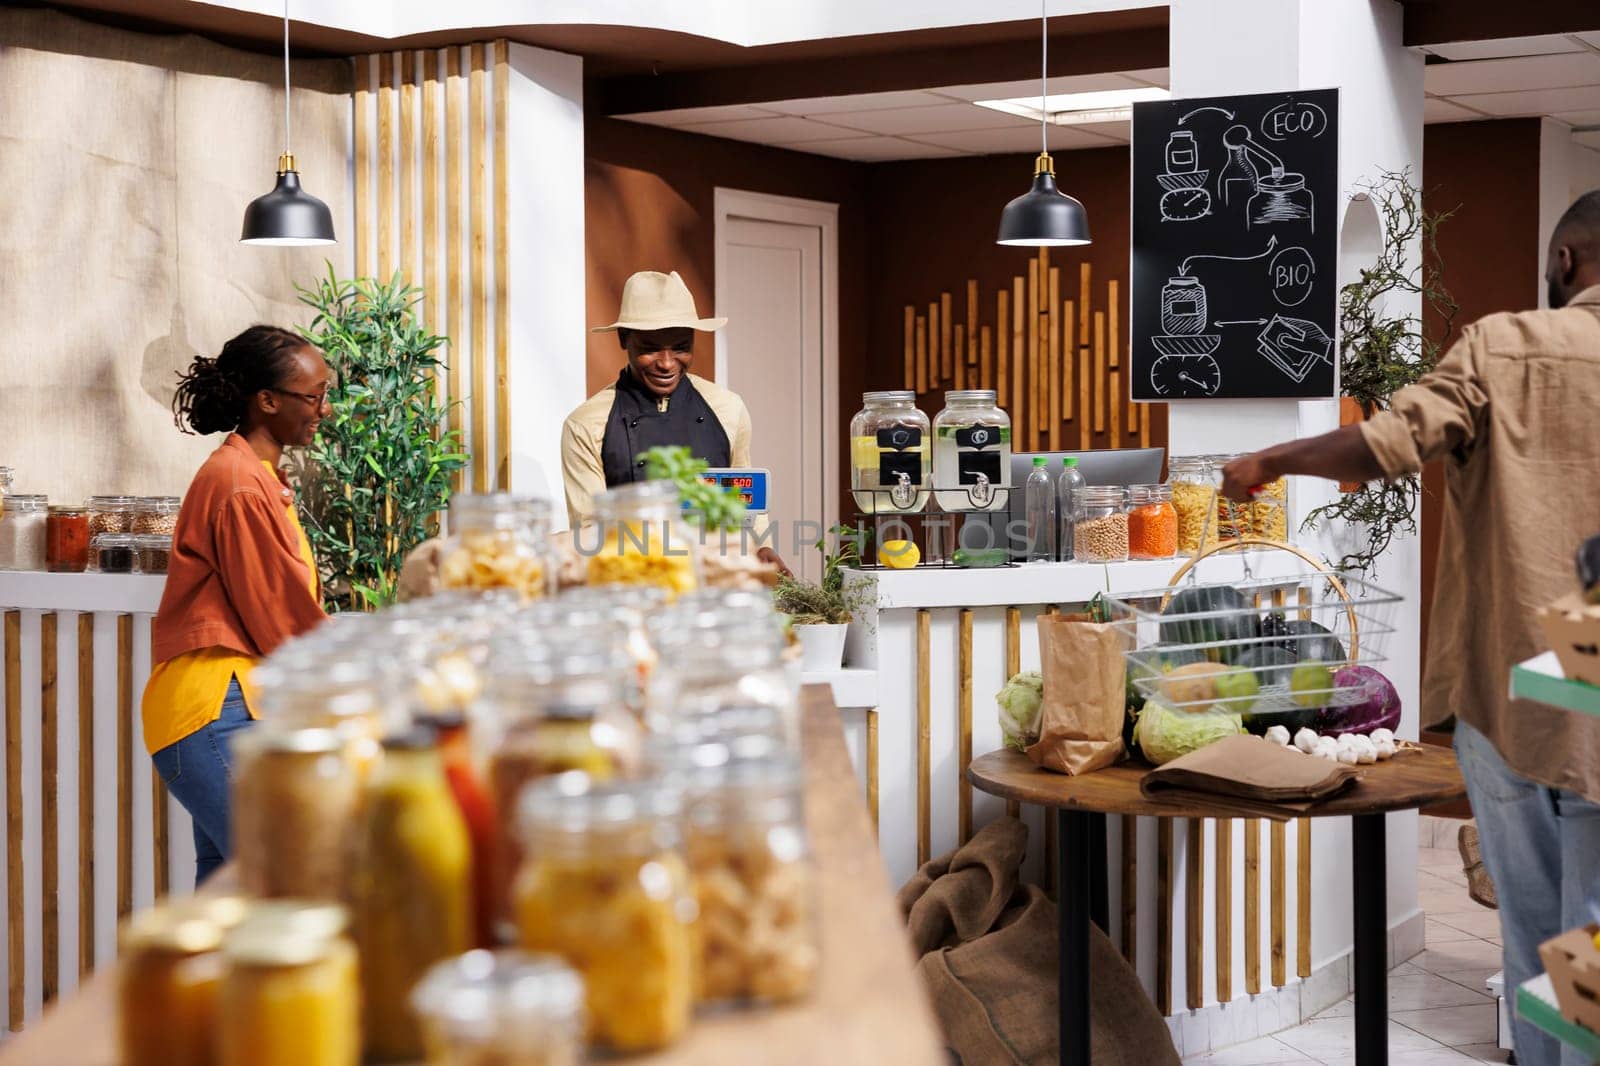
(751,483)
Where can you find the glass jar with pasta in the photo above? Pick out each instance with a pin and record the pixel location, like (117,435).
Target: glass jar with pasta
(291,995)
(1194,497)
(756,933)
(496,1008)
(498,541)
(1268,511)
(605,887)
(296,801)
(642,539)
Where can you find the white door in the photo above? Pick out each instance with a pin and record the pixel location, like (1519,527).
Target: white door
(770,287)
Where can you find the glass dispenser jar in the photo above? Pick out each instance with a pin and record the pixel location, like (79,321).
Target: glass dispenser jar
(605,887)
(1194,497)
(291,996)
(750,865)
(1100,532)
(498,541)
(1152,522)
(972,452)
(296,804)
(889,454)
(488,1007)
(643,539)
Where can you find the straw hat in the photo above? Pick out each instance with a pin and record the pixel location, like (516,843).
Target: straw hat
(652,300)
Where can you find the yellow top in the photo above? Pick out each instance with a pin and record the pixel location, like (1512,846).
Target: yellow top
(185,694)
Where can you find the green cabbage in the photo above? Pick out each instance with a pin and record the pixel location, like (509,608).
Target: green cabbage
(1164,733)
(1019,704)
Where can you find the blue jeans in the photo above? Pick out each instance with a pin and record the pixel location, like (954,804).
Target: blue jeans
(1542,848)
(198,770)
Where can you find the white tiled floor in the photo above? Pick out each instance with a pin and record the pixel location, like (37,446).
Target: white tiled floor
(1439,1012)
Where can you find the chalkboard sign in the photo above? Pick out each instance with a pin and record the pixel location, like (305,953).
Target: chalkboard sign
(1235,239)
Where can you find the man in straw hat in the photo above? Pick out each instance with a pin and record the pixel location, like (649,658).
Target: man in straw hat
(655,401)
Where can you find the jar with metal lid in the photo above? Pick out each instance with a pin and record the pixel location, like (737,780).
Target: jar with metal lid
(491,1007)
(1152,522)
(291,995)
(66,548)
(111,514)
(1194,497)
(296,802)
(23,532)
(114,553)
(323,681)
(890,453)
(750,864)
(972,452)
(1100,532)
(605,887)
(411,898)
(155,516)
(642,539)
(169,974)
(498,541)
(154,551)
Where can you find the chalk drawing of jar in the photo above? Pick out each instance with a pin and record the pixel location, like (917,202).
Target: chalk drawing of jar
(1183,307)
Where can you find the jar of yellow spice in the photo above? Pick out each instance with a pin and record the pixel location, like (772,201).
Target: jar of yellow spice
(643,539)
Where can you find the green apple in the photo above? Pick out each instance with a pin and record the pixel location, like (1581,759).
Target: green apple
(1236,691)
(1310,683)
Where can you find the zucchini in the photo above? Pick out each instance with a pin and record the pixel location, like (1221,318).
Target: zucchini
(975,558)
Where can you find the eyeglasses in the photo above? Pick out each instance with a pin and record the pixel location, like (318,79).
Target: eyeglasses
(316,399)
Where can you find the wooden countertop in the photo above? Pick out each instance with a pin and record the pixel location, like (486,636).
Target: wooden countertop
(869,1005)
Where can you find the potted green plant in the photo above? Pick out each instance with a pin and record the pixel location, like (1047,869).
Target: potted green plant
(820,611)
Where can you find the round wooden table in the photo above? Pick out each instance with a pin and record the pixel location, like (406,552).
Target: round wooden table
(1419,777)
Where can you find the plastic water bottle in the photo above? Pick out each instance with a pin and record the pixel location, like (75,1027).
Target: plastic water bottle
(1040,496)
(1069,490)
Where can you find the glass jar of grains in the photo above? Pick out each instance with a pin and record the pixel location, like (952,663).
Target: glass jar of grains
(1152,522)
(605,887)
(22,532)
(497,541)
(750,866)
(1100,533)
(111,514)
(508,1006)
(643,539)
(155,515)
(1269,512)
(67,540)
(296,799)
(972,452)
(154,553)
(291,996)
(1194,497)
(889,454)
(114,553)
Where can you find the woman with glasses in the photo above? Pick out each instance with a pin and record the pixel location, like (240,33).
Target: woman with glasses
(241,579)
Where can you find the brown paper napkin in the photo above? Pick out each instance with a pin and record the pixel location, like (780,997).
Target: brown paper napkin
(1255,770)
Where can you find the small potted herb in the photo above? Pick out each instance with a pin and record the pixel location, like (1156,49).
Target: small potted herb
(820,611)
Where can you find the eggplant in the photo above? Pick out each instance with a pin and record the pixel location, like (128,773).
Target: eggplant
(1589,568)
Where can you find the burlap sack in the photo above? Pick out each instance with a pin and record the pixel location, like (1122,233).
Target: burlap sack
(1085,695)
(988,958)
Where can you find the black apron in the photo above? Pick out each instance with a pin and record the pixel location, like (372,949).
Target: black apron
(636,425)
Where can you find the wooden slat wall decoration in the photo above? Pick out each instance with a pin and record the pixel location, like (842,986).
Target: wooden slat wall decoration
(15,924)
(1252,906)
(363,150)
(1302,885)
(386,162)
(964,721)
(49,827)
(1060,367)
(1194,920)
(477,184)
(86,779)
(455,275)
(158,816)
(502,265)
(921,382)
(431,88)
(408,174)
(924,740)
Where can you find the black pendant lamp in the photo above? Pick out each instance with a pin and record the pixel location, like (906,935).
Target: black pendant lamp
(288,215)
(1044,216)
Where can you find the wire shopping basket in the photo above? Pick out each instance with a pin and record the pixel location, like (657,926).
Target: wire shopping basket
(1275,646)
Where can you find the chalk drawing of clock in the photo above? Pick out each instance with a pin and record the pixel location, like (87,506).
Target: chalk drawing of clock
(1185,377)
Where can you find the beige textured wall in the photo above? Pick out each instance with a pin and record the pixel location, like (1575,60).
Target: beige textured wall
(127,161)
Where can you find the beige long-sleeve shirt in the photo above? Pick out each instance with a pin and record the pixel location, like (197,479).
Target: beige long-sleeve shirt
(585,430)
(1514,409)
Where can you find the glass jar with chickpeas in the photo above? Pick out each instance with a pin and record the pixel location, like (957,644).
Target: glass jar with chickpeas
(1194,497)
(498,541)
(1100,533)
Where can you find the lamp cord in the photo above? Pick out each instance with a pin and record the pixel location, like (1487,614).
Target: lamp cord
(288,129)
(1044,69)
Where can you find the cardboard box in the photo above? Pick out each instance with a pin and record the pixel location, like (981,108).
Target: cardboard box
(1573,963)
(1572,628)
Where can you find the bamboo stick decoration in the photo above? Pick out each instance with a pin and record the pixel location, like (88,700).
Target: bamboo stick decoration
(1194,922)
(946,371)
(1083,299)
(1115,385)
(1051,323)
(911,347)
(1302,887)
(985,365)
(1032,397)
(1099,371)
(1019,398)
(1133,408)
(933,345)
(1085,384)
(922,354)
(1113,316)
(1252,904)
(1069,349)
(1002,333)
(1278,836)
(972,329)
(1144,429)
(959,335)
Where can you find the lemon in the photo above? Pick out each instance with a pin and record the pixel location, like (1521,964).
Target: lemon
(899,554)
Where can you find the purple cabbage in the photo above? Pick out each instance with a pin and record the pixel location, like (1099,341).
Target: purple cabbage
(1378,706)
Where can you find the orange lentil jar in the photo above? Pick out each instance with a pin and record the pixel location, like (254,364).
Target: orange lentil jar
(1152,522)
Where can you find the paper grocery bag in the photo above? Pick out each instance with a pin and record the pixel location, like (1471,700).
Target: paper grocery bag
(1085,694)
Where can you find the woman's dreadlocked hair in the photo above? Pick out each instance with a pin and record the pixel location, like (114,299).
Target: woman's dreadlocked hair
(215,393)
